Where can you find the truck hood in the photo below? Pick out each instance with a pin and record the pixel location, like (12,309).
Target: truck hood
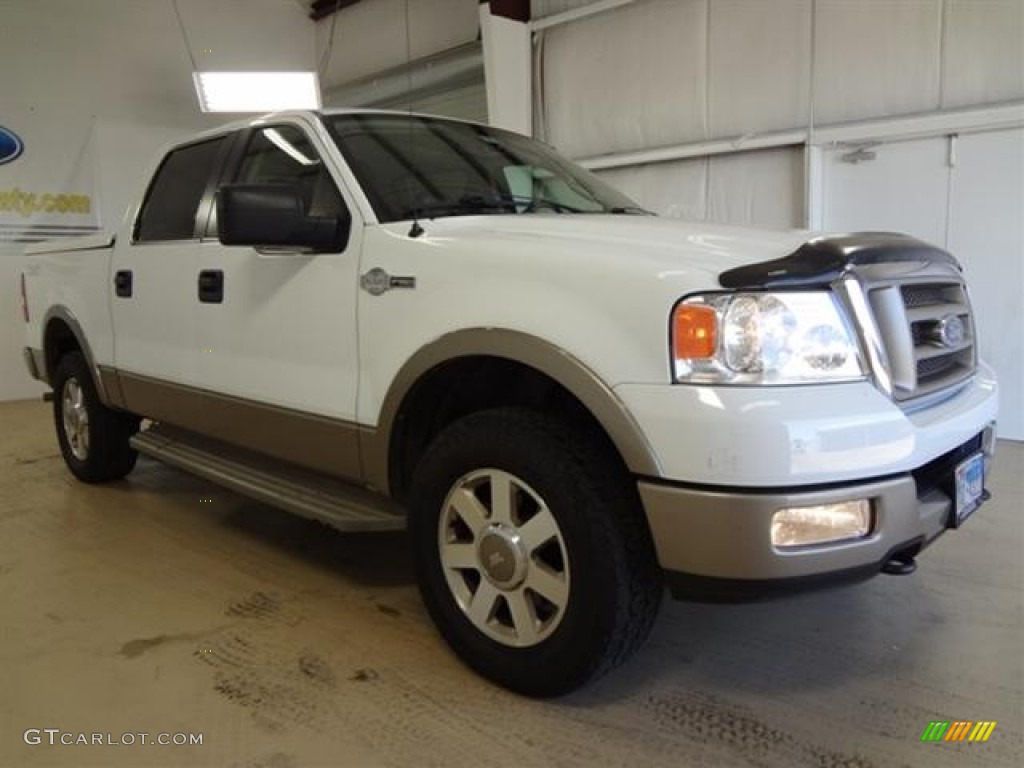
(649,243)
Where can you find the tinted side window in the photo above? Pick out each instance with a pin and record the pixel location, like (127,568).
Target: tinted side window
(283,154)
(169,211)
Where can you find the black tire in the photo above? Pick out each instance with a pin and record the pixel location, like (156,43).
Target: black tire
(614,584)
(104,454)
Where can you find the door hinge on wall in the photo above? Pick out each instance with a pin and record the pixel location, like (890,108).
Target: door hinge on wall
(860,151)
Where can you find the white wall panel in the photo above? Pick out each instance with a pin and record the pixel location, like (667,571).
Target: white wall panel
(987,235)
(904,189)
(138,67)
(370,36)
(238,34)
(757,189)
(984,53)
(759,66)
(762,189)
(677,189)
(627,79)
(876,58)
(467,102)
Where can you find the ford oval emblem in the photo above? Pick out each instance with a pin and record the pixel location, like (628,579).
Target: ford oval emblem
(11,146)
(951,331)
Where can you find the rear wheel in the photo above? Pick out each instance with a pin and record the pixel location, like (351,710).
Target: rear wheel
(93,438)
(532,553)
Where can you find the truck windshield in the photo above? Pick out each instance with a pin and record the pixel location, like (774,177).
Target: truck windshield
(412,166)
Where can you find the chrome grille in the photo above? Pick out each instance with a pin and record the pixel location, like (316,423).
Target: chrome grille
(926,331)
(926,294)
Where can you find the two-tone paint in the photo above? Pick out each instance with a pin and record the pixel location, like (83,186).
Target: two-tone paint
(316,367)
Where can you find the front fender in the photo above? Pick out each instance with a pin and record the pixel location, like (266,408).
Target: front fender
(599,399)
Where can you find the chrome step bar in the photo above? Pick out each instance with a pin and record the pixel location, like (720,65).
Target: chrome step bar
(312,495)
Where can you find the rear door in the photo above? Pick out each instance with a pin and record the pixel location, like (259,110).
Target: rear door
(154,296)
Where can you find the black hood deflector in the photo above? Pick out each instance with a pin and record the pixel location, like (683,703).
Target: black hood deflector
(821,261)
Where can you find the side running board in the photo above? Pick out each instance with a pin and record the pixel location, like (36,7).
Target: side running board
(309,494)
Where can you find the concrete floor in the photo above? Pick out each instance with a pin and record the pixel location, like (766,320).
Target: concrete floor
(164,604)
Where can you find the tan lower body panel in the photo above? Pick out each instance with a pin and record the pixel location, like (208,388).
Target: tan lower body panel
(726,534)
(310,494)
(306,440)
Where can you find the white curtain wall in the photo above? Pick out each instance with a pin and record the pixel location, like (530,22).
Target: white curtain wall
(660,73)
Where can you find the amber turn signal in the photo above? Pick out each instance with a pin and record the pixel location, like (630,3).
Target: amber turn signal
(695,332)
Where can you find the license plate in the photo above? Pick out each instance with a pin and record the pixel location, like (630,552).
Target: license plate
(969,478)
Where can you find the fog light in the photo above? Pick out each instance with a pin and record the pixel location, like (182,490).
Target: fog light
(823,524)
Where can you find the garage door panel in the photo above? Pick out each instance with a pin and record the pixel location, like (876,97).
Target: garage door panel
(987,234)
(902,188)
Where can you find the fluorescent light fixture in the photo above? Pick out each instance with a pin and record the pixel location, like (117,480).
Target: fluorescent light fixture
(257,91)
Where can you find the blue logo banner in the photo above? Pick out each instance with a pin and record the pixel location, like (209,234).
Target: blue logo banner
(11,146)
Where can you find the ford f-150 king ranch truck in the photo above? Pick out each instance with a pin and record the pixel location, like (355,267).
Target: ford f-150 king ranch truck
(381,320)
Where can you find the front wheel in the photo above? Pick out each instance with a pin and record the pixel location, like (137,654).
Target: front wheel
(94,439)
(532,553)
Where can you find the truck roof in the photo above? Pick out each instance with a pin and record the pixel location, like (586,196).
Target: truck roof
(250,122)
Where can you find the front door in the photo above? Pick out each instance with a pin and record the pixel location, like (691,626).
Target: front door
(277,330)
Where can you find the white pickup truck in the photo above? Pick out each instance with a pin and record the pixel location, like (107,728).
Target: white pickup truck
(379,320)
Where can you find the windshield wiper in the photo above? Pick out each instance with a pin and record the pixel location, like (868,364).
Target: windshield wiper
(532,203)
(632,210)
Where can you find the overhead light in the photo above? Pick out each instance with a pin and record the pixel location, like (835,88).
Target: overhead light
(257,91)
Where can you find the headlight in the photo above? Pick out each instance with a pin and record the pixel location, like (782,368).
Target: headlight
(763,338)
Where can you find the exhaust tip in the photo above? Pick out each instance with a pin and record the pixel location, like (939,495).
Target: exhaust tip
(901,565)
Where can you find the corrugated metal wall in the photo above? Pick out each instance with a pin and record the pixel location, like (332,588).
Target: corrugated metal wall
(438,70)
(370,37)
(666,72)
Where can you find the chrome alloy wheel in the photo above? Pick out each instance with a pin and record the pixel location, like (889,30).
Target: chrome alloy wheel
(76,419)
(504,557)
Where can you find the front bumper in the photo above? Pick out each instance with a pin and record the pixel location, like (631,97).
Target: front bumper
(799,436)
(715,543)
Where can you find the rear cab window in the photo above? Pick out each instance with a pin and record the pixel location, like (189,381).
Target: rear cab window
(177,192)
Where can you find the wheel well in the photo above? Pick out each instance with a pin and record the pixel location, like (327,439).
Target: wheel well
(460,387)
(58,341)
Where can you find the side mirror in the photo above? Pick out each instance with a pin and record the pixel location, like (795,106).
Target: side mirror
(274,216)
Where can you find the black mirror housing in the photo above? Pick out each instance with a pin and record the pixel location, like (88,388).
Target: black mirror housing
(274,216)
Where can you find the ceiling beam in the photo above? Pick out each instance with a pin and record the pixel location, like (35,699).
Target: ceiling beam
(321,9)
(517,10)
